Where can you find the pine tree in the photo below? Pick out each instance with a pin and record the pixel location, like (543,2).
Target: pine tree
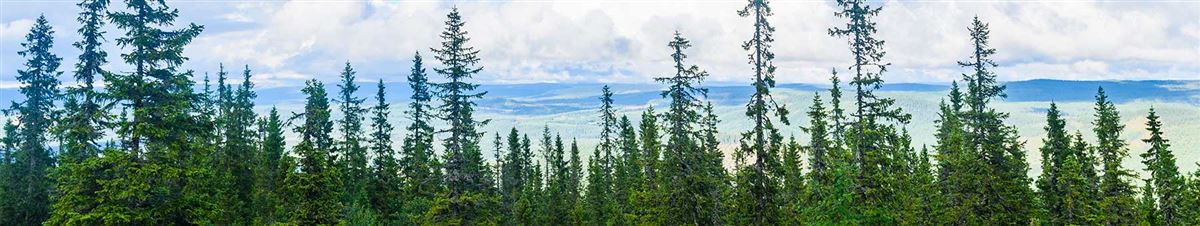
(691,193)
(385,187)
(422,173)
(315,185)
(8,145)
(526,209)
(870,136)
(352,155)
(629,174)
(559,202)
(28,203)
(1066,191)
(465,201)
(602,207)
(758,183)
(1164,174)
(514,174)
(575,186)
(1116,193)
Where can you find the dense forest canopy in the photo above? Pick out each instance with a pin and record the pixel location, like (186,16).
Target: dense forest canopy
(150,148)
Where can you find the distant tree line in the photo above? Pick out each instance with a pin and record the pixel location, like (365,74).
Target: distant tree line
(150,149)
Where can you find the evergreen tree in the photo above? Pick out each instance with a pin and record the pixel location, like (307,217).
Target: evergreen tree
(629,174)
(385,185)
(514,174)
(1148,213)
(422,174)
(692,193)
(602,207)
(1066,192)
(575,186)
(164,176)
(1164,174)
(559,202)
(870,136)
(82,126)
(352,155)
(466,200)
(8,145)
(236,149)
(759,188)
(1117,201)
(270,170)
(28,201)
(315,185)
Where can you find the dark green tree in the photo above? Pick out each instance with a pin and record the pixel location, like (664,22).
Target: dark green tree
(28,201)
(418,164)
(269,179)
(692,193)
(385,193)
(870,137)
(466,200)
(599,198)
(1148,213)
(1117,201)
(758,183)
(1168,184)
(352,154)
(314,185)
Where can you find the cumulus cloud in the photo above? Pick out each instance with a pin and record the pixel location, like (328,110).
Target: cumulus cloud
(625,41)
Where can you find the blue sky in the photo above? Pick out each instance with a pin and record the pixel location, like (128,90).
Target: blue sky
(286,42)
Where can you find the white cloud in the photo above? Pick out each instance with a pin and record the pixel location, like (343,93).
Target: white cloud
(14,31)
(625,41)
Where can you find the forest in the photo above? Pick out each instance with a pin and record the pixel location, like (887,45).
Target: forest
(164,145)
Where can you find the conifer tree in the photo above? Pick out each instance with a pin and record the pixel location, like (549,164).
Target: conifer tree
(236,149)
(352,155)
(758,192)
(167,176)
(466,200)
(385,185)
(421,170)
(651,141)
(315,185)
(1160,163)
(1148,213)
(870,137)
(1117,201)
(271,171)
(1064,187)
(28,201)
(85,117)
(691,191)
(628,176)
(602,207)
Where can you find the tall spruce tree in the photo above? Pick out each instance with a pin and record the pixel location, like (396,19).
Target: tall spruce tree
(871,137)
(418,164)
(28,201)
(601,205)
(1164,174)
(166,175)
(1063,186)
(1117,201)
(352,154)
(315,185)
(271,171)
(759,188)
(691,192)
(385,182)
(236,147)
(466,200)
(1003,182)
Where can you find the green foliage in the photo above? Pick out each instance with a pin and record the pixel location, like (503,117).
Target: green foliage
(1164,174)
(759,191)
(314,187)
(352,154)
(27,200)
(386,196)
(1117,202)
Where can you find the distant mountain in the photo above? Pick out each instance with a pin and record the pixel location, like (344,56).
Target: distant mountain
(549,98)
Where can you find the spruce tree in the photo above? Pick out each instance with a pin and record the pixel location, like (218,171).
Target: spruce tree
(1160,163)
(28,201)
(465,201)
(759,188)
(271,171)
(870,137)
(236,147)
(83,123)
(352,154)
(315,185)
(1003,180)
(1148,213)
(1117,201)
(691,192)
(421,170)
(601,207)
(385,185)
(628,176)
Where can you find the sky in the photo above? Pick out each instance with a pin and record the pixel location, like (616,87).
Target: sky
(535,41)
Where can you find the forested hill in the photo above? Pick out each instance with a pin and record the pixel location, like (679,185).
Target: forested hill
(159,145)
